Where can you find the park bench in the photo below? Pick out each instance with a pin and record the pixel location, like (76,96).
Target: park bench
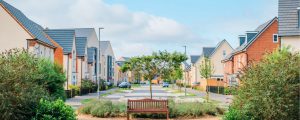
(147,106)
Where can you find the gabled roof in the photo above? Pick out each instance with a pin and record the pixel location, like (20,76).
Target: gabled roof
(187,67)
(207,51)
(219,45)
(64,37)
(80,46)
(104,45)
(91,51)
(84,32)
(261,29)
(194,58)
(288,17)
(35,30)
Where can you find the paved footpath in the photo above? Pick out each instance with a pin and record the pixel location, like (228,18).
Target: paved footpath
(223,99)
(75,101)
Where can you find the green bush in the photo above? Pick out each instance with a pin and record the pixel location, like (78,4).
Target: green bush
(19,94)
(88,84)
(104,108)
(193,109)
(24,80)
(230,90)
(56,110)
(52,78)
(270,89)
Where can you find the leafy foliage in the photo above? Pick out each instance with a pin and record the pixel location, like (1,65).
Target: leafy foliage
(56,110)
(88,84)
(24,80)
(104,108)
(206,70)
(52,78)
(159,64)
(270,89)
(19,94)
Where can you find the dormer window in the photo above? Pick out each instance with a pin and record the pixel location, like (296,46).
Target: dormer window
(275,38)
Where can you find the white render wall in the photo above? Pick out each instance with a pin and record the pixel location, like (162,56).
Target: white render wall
(217,57)
(13,35)
(104,52)
(292,41)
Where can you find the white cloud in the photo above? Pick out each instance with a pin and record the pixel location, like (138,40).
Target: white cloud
(131,32)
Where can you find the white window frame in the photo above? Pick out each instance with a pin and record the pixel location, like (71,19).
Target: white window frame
(276,38)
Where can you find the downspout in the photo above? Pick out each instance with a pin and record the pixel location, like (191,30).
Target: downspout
(68,72)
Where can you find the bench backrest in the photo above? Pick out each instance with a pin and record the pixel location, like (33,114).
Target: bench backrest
(145,104)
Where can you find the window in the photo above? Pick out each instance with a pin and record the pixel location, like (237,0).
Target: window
(275,38)
(224,53)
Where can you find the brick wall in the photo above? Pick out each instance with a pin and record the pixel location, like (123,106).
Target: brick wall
(264,43)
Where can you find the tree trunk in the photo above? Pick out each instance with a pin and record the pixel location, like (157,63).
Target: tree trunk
(207,91)
(151,89)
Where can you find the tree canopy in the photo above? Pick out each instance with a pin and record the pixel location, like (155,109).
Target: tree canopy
(159,64)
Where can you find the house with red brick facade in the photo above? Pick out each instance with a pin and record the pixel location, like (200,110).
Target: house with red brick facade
(252,47)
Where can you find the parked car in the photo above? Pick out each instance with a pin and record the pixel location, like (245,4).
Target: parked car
(109,84)
(165,84)
(195,85)
(124,85)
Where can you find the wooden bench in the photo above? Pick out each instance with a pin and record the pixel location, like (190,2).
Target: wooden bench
(147,106)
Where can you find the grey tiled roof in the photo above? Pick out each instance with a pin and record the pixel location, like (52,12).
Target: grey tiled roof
(80,46)
(91,51)
(84,32)
(228,57)
(288,17)
(207,51)
(64,37)
(194,58)
(261,29)
(34,29)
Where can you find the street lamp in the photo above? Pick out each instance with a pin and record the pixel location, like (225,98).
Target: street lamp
(186,72)
(98,61)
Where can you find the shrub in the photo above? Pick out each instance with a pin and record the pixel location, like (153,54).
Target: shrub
(270,89)
(74,88)
(19,94)
(104,108)
(52,78)
(24,80)
(56,110)
(231,90)
(192,109)
(88,84)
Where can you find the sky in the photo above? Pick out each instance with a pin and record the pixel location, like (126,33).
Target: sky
(139,27)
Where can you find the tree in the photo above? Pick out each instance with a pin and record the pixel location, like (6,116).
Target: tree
(206,70)
(159,64)
(269,89)
(24,80)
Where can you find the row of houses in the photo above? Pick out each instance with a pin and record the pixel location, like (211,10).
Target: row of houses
(78,50)
(228,63)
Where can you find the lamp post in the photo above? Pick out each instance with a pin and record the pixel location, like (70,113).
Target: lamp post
(186,73)
(98,64)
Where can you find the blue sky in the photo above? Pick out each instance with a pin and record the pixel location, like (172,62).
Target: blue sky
(138,27)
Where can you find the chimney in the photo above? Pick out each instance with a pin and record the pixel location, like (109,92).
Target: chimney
(242,39)
(250,35)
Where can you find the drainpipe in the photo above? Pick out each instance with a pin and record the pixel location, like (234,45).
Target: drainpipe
(68,72)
